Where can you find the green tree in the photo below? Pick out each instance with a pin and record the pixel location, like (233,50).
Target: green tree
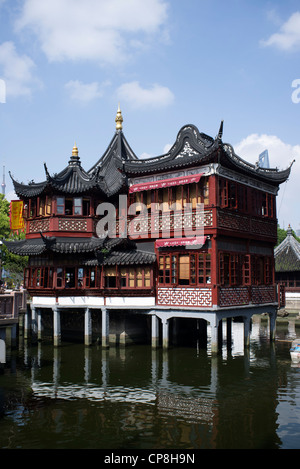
(281,234)
(4,217)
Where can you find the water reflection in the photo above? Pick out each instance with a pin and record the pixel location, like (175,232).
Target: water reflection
(133,397)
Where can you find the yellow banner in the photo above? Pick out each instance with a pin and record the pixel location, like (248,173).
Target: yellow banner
(16,215)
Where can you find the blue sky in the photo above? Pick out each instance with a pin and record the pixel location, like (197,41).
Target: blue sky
(66,64)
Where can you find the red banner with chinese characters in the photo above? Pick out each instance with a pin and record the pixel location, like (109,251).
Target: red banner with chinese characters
(174,242)
(16,215)
(178,181)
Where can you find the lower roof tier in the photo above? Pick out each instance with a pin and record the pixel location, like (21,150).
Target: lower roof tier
(96,250)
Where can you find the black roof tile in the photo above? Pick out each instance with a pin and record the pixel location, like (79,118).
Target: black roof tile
(287,254)
(110,173)
(66,245)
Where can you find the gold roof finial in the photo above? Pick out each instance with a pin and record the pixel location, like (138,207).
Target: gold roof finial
(75,150)
(119,119)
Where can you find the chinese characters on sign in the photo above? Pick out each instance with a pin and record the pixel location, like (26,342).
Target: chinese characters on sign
(16,215)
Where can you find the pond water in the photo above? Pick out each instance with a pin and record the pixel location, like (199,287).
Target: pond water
(136,398)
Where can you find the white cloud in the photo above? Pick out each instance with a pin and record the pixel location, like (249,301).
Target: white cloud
(288,37)
(281,154)
(155,97)
(16,70)
(85,92)
(97,30)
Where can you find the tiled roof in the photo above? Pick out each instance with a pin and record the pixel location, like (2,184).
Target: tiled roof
(110,173)
(192,147)
(129,258)
(112,251)
(287,254)
(36,246)
(71,180)
(26,247)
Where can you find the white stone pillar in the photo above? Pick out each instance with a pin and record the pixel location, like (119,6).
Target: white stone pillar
(39,324)
(155,331)
(87,327)
(34,321)
(247,322)
(165,333)
(105,328)
(56,327)
(214,334)
(27,323)
(2,351)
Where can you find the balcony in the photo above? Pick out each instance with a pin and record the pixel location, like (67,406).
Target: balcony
(166,224)
(238,222)
(60,225)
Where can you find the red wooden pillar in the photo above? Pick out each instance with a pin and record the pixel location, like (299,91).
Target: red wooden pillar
(214,270)
(213,191)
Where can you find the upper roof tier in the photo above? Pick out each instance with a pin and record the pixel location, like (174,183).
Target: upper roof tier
(110,173)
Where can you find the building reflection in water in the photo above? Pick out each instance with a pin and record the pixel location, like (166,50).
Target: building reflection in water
(182,397)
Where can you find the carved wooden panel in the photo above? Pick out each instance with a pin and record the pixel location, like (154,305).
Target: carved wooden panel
(65,224)
(243,295)
(200,297)
(263,294)
(35,226)
(163,223)
(233,296)
(246,223)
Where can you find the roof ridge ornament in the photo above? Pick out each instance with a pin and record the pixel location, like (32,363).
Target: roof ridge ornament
(74,158)
(75,150)
(289,231)
(220,133)
(47,172)
(119,119)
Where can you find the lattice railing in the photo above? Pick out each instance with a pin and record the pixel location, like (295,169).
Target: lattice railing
(181,297)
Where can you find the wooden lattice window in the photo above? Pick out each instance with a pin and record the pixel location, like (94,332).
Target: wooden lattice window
(135,277)
(246,270)
(231,268)
(110,277)
(183,269)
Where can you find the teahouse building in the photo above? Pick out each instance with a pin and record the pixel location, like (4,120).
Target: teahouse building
(287,269)
(191,236)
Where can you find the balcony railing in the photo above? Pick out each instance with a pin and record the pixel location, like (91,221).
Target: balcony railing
(246,294)
(166,224)
(202,297)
